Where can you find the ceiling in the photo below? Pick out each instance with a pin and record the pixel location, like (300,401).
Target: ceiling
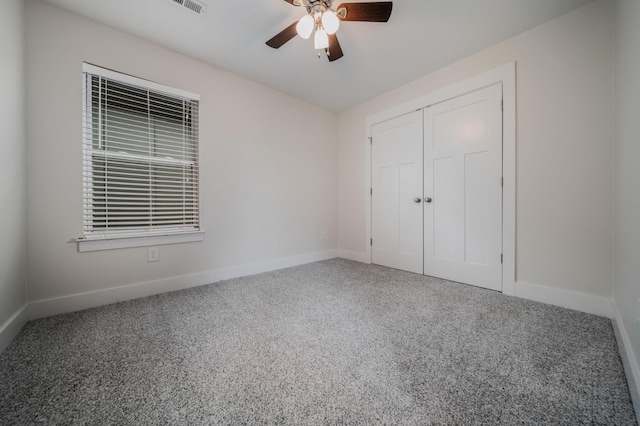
(421,36)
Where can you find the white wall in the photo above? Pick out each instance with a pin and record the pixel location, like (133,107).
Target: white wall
(12,161)
(564,149)
(268,162)
(626,288)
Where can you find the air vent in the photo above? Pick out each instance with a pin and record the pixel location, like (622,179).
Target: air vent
(193,5)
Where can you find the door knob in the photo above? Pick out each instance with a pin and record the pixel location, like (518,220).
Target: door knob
(427,199)
(417,200)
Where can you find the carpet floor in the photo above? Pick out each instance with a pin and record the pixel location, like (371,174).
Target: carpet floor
(333,342)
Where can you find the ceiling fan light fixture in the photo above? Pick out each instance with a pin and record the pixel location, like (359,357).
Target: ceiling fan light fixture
(321,40)
(325,20)
(330,22)
(305,26)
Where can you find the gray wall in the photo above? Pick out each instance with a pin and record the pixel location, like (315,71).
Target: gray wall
(626,289)
(13,210)
(268,162)
(564,148)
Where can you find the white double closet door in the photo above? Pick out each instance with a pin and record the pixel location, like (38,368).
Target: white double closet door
(437,190)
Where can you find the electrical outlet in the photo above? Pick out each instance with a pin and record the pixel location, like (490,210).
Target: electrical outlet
(153,254)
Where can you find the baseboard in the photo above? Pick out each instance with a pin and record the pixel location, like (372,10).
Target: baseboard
(78,302)
(601,306)
(629,360)
(270,265)
(354,255)
(10,329)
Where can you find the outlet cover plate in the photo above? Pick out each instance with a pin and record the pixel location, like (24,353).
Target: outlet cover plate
(153,254)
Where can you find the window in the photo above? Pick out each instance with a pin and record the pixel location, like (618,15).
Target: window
(140,145)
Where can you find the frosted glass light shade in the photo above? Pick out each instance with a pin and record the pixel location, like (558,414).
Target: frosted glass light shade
(321,39)
(330,22)
(305,26)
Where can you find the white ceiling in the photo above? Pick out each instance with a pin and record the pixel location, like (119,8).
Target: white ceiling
(421,36)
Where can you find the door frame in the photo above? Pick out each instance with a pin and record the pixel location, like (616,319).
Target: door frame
(506,75)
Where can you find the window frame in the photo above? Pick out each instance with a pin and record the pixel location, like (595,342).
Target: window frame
(104,239)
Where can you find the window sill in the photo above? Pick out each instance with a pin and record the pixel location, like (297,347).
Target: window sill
(117,242)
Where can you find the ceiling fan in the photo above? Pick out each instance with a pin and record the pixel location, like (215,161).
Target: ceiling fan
(326,21)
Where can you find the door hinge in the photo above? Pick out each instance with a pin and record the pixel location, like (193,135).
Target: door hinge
(370,140)
(502,182)
(501,258)
(502,104)
(370,191)
(371,241)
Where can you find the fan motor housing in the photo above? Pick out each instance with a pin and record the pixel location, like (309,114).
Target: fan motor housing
(317,5)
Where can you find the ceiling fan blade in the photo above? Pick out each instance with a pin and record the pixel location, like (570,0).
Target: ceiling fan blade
(283,36)
(294,2)
(367,12)
(334,52)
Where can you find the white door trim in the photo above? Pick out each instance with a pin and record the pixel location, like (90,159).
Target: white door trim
(506,75)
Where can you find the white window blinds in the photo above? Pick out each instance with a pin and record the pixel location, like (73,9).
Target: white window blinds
(140,157)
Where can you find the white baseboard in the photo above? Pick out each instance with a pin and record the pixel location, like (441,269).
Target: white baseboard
(10,329)
(601,306)
(354,255)
(629,359)
(77,302)
(270,265)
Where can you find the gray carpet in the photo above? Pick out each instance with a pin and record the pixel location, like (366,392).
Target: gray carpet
(334,342)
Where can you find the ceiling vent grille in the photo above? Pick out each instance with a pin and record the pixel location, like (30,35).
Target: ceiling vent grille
(193,5)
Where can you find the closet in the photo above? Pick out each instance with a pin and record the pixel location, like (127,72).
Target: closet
(437,189)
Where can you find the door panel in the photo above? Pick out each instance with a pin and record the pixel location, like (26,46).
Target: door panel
(386,235)
(447,212)
(463,170)
(477,211)
(397,179)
